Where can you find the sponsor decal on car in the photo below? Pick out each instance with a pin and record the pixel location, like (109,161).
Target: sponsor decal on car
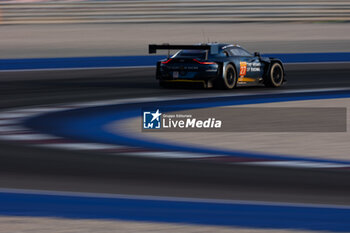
(243,68)
(253,66)
(248,67)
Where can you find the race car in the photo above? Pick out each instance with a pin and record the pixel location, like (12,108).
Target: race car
(217,65)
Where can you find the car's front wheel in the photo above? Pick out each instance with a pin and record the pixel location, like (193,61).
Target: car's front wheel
(276,76)
(229,80)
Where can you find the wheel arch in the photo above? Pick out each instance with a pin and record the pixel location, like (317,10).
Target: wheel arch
(220,81)
(268,63)
(266,77)
(276,60)
(224,65)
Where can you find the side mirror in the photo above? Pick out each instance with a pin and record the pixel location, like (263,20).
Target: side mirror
(256,54)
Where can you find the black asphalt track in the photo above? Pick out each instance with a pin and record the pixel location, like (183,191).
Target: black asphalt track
(27,167)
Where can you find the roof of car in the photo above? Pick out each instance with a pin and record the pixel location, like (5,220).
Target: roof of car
(221,45)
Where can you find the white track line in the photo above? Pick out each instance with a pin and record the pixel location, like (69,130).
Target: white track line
(7,115)
(171,155)
(12,128)
(80,68)
(82,146)
(300,164)
(35,110)
(28,137)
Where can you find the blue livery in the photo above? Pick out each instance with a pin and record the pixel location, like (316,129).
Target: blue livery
(218,65)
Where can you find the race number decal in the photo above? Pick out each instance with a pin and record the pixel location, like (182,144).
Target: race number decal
(243,68)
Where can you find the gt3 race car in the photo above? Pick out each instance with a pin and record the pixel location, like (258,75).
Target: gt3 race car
(221,65)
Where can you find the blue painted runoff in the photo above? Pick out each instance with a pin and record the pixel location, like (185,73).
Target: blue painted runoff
(140,61)
(253,215)
(78,62)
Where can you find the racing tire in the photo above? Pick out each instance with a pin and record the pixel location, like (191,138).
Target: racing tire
(275,76)
(229,79)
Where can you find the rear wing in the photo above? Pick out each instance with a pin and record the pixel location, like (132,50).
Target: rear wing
(213,49)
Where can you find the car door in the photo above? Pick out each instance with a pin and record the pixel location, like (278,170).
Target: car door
(249,65)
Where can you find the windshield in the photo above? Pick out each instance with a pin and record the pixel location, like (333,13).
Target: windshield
(191,53)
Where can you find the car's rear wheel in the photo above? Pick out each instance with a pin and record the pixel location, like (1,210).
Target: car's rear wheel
(229,80)
(276,76)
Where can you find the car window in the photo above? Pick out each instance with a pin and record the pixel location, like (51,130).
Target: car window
(244,52)
(235,52)
(191,53)
(239,52)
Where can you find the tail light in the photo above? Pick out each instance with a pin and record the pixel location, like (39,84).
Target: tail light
(167,61)
(204,62)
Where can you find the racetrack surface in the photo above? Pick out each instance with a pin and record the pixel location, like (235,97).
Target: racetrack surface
(37,168)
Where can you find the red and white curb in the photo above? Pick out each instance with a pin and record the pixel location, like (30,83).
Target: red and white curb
(12,129)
